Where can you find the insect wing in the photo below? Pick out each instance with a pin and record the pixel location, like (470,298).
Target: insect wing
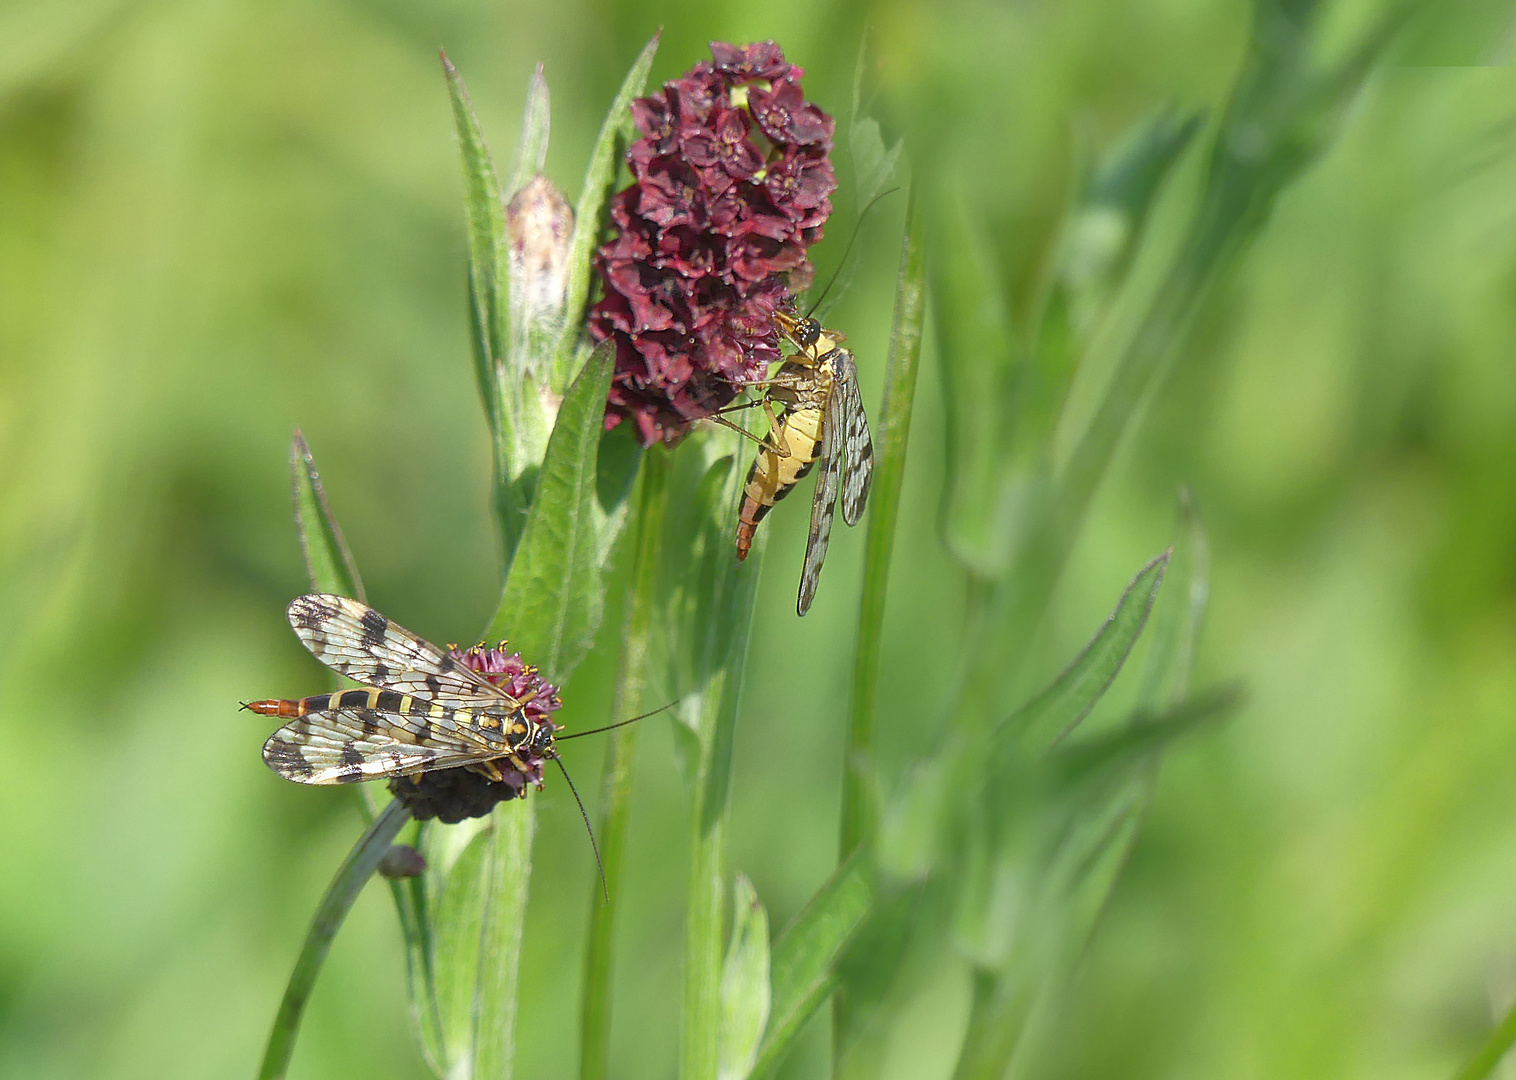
(857,446)
(343,746)
(824,503)
(355,640)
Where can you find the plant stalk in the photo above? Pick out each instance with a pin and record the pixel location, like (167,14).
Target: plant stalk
(891,436)
(340,895)
(704,940)
(620,751)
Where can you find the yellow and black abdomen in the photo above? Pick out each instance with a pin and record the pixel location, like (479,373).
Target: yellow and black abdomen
(774,474)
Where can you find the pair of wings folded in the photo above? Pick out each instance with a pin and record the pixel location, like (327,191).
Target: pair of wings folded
(345,745)
(845,466)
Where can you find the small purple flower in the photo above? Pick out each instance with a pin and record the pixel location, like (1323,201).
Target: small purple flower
(732,182)
(451,795)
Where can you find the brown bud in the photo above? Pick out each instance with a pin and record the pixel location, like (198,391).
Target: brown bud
(402,861)
(540,224)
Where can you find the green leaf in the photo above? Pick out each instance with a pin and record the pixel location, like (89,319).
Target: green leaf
(599,182)
(485,214)
(351,876)
(554,597)
(1145,735)
(744,984)
(328,563)
(807,954)
(1056,711)
(531,155)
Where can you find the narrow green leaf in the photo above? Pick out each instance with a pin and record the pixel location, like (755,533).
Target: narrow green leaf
(485,214)
(351,876)
(1145,735)
(328,563)
(531,156)
(599,182)
(1060,708)
(744,984)
(806,957)
(554,599)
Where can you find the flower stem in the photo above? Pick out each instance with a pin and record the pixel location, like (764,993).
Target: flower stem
(599,958)
(344,889)
(891,436)
(703,937)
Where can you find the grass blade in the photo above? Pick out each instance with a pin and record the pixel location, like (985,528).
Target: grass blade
(344,889)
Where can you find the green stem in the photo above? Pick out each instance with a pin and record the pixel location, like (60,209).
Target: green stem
(340,894)
(891,436)
(631,676)
(996,1019)
(703,938)
(508,881)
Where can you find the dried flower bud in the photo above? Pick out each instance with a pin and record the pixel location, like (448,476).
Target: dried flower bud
(732,183)
(540,224)
(402,861)
(450,795)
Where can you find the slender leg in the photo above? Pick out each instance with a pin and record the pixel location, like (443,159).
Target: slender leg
(772,447)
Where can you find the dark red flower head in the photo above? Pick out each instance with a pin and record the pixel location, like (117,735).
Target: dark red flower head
(454,794)
(732,182)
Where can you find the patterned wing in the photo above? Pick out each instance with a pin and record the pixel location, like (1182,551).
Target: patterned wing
(824,502)
(857,447)
(355,640)
(342,746)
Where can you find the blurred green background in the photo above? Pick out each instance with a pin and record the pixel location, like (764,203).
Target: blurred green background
(221,220)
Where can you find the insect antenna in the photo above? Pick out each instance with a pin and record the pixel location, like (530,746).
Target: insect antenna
(604,888)
(857,225)
(622,723)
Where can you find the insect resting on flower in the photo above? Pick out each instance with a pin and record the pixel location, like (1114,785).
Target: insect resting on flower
(823,420)
(452,740)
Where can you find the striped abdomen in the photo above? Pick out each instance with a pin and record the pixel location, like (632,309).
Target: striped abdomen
(773,474)
(496,721)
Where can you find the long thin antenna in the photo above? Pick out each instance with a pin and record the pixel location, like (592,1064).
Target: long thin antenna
(849,249)
(623,723)
(606,889)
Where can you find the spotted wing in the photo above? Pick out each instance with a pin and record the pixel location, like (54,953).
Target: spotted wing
(355,640)
(857,447)
(824,502)
(343,746)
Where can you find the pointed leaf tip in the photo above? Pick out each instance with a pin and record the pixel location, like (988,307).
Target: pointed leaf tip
(329,564)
